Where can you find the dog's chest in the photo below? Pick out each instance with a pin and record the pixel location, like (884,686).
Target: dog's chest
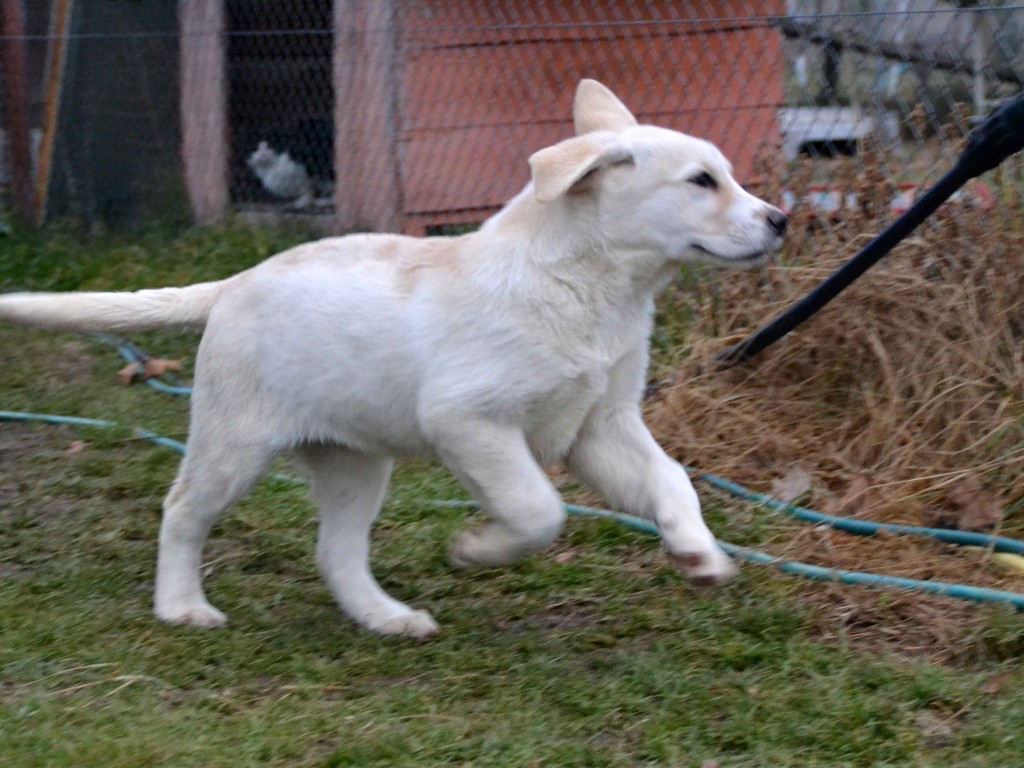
(554,420)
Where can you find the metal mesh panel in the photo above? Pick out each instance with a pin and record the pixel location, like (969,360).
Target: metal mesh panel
(419,115)
(280,92)
(100,90)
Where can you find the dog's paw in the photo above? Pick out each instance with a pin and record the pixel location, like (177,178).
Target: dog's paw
(705,569)
(484,547)
(418,625)
(464,551)
(198,616)
(471,549)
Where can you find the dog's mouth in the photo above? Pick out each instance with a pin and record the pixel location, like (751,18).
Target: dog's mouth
(747,258)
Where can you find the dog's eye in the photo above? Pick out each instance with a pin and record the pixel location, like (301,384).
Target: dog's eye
(705,180)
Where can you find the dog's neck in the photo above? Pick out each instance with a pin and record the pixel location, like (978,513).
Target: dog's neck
(567,243)
(603,299)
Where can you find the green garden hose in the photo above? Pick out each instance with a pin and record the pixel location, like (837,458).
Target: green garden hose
(959,591)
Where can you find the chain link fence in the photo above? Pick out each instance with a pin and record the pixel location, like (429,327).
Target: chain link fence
(418,115)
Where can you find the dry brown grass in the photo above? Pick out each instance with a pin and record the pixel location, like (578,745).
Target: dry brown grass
(908,385)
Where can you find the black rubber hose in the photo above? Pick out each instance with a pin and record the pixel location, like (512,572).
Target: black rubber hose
(1000,136)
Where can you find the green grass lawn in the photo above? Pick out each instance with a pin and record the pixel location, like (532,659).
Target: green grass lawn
(594,654)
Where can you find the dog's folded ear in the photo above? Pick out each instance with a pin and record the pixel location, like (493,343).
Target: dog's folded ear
(567,165)
(598,109)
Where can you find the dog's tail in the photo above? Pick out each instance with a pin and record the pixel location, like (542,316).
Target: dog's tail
(113,312)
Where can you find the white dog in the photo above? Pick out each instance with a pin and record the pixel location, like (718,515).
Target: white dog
(496,352)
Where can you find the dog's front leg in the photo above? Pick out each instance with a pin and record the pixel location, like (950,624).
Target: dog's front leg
(494,463)
(615,454)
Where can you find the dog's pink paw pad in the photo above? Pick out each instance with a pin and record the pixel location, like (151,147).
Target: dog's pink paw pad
(710,580)
(704,569)
(688,561)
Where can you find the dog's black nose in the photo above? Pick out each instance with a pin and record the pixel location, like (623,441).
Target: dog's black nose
(777,220)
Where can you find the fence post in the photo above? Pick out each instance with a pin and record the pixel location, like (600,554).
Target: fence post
(204,108)
(19,149)
(366,93)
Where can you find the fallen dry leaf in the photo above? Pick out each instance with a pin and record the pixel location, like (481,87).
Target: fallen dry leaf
(859,497)
(148,370)
(976,508)
(127,374)
(77,446)
(562,558)
(157,367)
(792,485)
(938,517)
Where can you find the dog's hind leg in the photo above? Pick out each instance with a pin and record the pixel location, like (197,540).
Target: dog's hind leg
(349,489)
(494,463)
(214,473)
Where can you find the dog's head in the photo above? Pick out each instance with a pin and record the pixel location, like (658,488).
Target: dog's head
(654,190)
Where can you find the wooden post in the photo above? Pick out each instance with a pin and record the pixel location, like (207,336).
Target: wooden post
(56,58)
(204,146)
(366,94)
(19,145)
